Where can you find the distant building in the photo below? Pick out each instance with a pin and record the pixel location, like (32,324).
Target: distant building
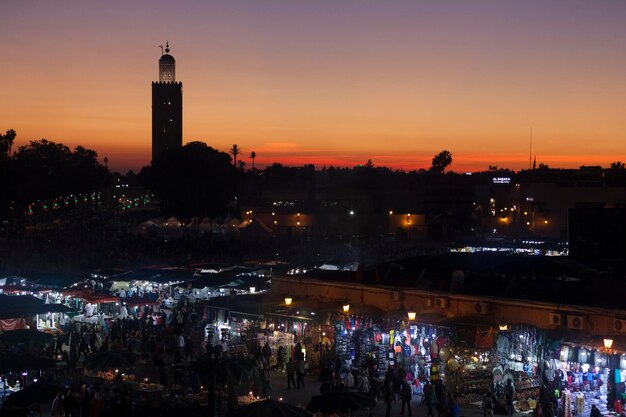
(167,107)
(598,232)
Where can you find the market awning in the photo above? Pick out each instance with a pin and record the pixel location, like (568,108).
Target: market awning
(24,335)
(27,305)
(290,317)
(101,298)
(18,363)
(136,302)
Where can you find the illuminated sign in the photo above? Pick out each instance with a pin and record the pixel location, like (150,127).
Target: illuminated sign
(501,180)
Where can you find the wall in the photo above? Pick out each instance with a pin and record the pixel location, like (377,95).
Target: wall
(454,308)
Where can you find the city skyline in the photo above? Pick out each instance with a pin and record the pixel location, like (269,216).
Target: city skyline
(326,83)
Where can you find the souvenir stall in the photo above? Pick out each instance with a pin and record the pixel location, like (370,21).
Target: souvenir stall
(579,377)
(360,343)
(472,352)
(519,349)
(378,346)
(475,373)
(286,331)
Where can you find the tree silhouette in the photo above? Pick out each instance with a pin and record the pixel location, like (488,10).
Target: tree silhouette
(618,165)
(441,161)
(252,156)
(242,165)
(6,143)
(44,169)
(234,151)
(195,180)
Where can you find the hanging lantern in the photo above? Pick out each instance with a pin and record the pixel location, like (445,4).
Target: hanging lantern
(288,301)
(444,354)
(412,315)
(346,308)
(453,364)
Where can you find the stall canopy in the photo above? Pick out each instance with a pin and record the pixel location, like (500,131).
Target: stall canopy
(38,392)
(111,359)
(26,305)
(270,408)
(18,363)
(24,335)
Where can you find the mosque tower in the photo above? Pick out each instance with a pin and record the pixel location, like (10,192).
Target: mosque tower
(167,106)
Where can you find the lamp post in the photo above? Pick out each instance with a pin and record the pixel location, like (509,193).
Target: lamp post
(288,301)
(346,311)
(411,315)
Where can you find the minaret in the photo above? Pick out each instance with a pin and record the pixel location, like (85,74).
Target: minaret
(167,106)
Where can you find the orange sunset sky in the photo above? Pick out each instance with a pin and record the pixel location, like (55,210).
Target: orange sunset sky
(326,82)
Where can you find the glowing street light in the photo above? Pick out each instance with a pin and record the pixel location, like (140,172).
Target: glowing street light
(346,308)
(288,301)
(608,344)
(412,315)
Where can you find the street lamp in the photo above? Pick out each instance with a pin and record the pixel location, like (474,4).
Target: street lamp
(346,308)
(412,315)
(608,344)
(288,301)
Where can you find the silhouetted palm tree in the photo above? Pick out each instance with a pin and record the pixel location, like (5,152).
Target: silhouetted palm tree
(252,156)
(234,151)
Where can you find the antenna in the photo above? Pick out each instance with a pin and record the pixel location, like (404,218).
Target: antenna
(161,46)
(530,153)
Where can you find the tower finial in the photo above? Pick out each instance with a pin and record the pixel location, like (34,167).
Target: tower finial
(167,47)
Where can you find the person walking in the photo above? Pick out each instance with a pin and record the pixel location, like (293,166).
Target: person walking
(430,398)
(300,368)
(57,406)
(96,405)
(348,380)
(291,373)
(509,392)
(363,383)
(442,399)
(280,363)
(407,394)
(389,396)
(267,354)
(488,404)
(455,408)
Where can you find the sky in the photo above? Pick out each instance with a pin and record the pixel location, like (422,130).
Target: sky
(326,82)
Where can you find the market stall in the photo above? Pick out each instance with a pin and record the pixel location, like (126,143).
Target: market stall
(579,377)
